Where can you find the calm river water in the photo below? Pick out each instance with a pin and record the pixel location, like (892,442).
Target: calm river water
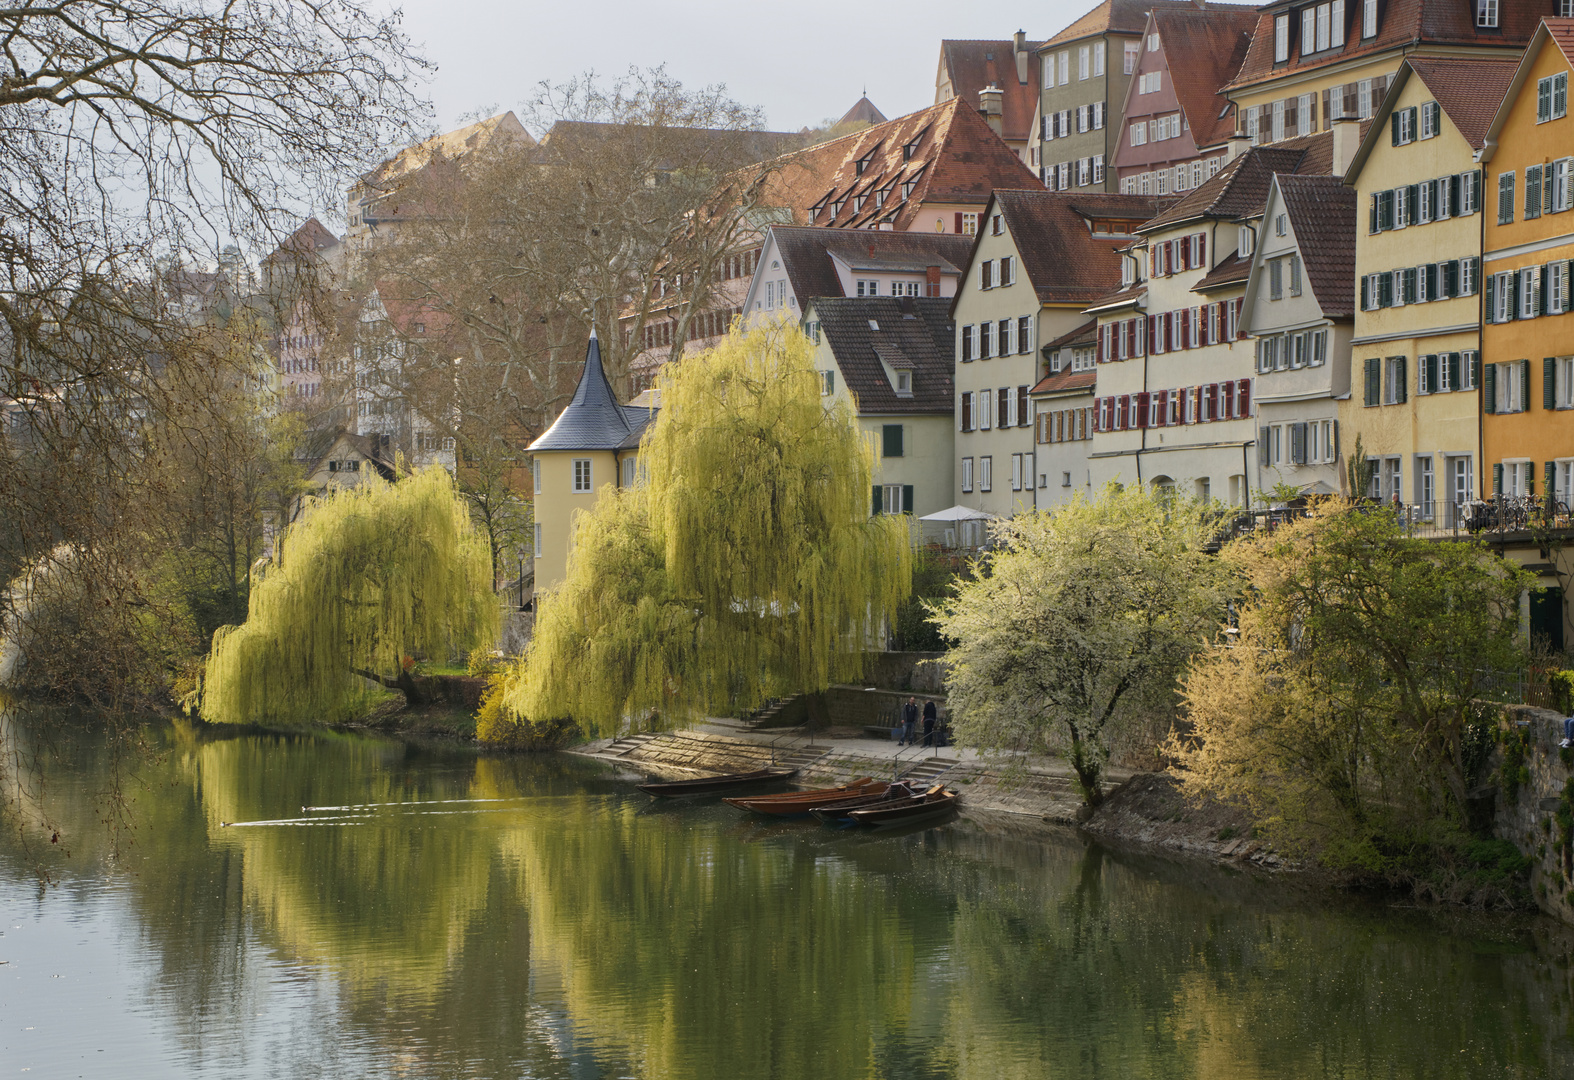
(444,914)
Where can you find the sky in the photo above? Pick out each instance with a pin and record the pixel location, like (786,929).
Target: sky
(801,63)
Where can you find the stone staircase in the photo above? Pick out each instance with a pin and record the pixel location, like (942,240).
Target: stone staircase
(927,770)
(703,753)
(771,714)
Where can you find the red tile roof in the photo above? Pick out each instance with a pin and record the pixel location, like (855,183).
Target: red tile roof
(1322,213)
(915,334)
(1066,261)
(862,112)
(1239,189)
(1066,380)
(1469,91)
(1203,48)
(1232,271)
(1401,24)
(1088,332)
(956,159)
(973,65)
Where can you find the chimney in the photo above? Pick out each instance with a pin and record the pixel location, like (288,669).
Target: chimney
(989,103)
(1347,141)
(1019,46)
(1239,143)
(932,281)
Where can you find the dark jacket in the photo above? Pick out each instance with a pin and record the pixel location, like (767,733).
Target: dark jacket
(910,712)
(929,713)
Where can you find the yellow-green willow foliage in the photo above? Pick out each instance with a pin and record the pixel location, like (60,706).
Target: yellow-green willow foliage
(745,566)
(369,575)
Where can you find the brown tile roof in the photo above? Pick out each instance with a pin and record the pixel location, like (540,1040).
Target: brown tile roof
(973,65)
(1114,16)
(1322,213)
(1088,331)
(918,333)
(1401,24)
(1240,188)
(1121,296)
(1065,261)
(805,253)
(862,112)
(1562,32)
(1469,91)
(1203,48)
(1066,380)
(1232,271)
(956,159)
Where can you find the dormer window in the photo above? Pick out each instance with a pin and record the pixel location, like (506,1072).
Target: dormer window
(1245,244)
(420,328)
(873,325)
(863,163)
(1369,16)
(904,382)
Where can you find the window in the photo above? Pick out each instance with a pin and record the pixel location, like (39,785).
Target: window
(1508,386)
(967,343)
(1153,43)
(904,383)
(865,288)
(1505,198)
(984,471)
(1133,50)
(1083,58)
(1295,275)
(535,475)
(1431,117)
(1403,124)
(1394,384)
(1139,133)
(1245,240)
(1281,38)
(1308,31)
(1025,334)
(1532,191)
(1486,11)
(1275,280)
(967,474)
(1369,18)
(1150,82)
(895,498)
(1049,73)
(1529,292)
(1064,60)
(536,544)
(1098,58)
(828,382)
(986,274)
(1098,169)
(1552,97)
(581,474)
(969,224)
(986,343)
(891,440)
(1005,340)
(1561,370)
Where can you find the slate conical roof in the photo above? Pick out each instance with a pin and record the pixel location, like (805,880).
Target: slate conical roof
(593,420)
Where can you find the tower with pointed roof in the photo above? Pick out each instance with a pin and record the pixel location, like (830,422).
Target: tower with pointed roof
(593,443)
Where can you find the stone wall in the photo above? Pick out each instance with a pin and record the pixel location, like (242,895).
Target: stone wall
(908,671)
(1526,811)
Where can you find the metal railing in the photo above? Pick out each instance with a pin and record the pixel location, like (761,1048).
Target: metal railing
(1498,517)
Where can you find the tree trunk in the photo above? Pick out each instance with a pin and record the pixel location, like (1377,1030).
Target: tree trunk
(401,682)
(1087,769)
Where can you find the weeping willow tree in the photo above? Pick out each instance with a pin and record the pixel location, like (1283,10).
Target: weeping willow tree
(746,564)
(371,575)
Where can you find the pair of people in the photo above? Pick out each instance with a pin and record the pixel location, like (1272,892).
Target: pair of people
(910,721)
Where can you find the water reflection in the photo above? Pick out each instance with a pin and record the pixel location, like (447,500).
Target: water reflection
(563,928)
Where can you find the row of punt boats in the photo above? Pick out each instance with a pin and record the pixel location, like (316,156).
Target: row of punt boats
(864,801)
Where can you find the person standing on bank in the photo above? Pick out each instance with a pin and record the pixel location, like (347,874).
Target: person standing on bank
(929,722)
(909,721)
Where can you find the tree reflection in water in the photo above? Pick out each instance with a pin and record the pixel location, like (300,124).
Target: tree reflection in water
(573,929)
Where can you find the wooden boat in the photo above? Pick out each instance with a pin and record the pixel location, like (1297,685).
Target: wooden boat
(937,800)
(710,785)
(801,802)
(842,810)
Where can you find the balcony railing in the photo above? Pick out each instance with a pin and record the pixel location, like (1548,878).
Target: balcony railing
(1500,517)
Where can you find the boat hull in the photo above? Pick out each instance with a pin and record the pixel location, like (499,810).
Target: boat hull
(793,803)
(711,785)
(931,803)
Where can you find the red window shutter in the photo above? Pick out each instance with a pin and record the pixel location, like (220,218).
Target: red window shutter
(1164,408)
(1153,262)
(1202,251)
(1243,395)
(959,222)
(1142,410)
(1185,328)
(1121,405)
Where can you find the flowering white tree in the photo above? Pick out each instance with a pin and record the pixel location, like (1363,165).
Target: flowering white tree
(1071,638)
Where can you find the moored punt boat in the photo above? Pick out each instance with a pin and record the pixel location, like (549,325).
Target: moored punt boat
(842,809)
(801,802)
(710,785)
(935,801)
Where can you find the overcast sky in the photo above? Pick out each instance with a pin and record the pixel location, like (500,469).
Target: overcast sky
(802,63)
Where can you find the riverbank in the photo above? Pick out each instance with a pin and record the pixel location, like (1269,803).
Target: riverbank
(1140,808)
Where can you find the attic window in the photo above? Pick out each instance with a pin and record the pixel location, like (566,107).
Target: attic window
(863,162)
(873,325)
(904,382)
(420,328)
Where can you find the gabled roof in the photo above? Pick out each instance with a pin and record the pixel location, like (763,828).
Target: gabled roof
(912,333)
(502,129)
(593,419)
(1232,271)
(310,239)
(973,65)
(1322,213)
(1469,91)
(1402,24)
(1087,332)
(1066,379)
(317,445)
(1559,32)
(956,159)
(1112,16)
(1066,262)
(1203,48)
(1239,189)
(805,253)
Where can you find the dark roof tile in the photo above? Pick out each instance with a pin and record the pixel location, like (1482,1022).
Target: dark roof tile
(1469,91)
(973,65)
(1322,213)
(805,252)
(919,331)
(1065,261)
(593,419)
(1203,48)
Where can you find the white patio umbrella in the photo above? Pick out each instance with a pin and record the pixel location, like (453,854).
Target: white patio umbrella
(959,513)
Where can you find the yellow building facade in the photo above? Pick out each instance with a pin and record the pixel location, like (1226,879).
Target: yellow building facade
(1415,354)
(591,448)
(1528,337)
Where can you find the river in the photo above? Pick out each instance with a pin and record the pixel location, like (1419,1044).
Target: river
(451,914)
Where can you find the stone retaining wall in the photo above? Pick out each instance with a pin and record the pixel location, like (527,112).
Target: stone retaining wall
(1526,811)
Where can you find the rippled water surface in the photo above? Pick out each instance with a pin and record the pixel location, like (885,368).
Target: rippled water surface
(443,914)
